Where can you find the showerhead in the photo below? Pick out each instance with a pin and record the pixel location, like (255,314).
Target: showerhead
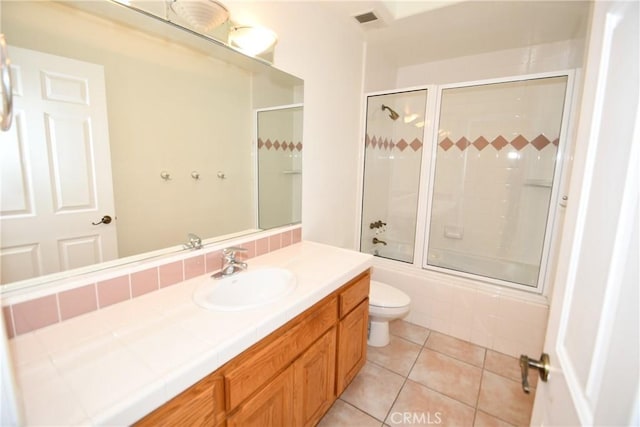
(392,113)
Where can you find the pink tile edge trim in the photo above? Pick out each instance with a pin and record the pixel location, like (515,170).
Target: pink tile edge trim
(281,240)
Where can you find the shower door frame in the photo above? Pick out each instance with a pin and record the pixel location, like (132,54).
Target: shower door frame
(559,181)
(425,167)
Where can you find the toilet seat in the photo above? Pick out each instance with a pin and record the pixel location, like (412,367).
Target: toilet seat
(383,295)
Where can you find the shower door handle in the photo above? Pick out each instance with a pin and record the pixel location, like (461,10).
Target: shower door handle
(542,365)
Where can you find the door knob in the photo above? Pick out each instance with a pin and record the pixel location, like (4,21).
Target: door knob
(105,220)
(542,365)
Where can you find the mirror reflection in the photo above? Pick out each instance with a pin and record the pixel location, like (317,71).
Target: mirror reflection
(133,119)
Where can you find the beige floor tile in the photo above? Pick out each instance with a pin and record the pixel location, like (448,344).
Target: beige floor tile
(342,414)
(418,405)
(398,356)
(504,398)
(409,331)
(448,376)
(508,366)
(373,390)
(454,347)
(485,420)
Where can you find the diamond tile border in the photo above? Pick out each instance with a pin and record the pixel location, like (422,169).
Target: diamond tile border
(499,142)
(279,145)
(389,144)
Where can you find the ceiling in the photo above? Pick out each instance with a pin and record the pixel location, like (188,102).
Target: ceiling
(414,32)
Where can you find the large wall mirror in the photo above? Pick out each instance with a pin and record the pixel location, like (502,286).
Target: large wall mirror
(130,132)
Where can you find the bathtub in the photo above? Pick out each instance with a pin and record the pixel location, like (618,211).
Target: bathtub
(493,268)
(496,317)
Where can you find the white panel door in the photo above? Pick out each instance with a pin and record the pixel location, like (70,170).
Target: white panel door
(592,337)
(55,167)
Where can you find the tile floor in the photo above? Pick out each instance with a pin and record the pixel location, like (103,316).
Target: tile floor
(426,378)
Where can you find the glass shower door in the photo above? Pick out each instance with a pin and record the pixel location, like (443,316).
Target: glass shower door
(496,155)
(393,153)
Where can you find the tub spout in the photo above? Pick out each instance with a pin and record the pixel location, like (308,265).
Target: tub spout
(376,240)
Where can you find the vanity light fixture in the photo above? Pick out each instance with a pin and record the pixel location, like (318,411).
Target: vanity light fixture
(252,40)
(202,15)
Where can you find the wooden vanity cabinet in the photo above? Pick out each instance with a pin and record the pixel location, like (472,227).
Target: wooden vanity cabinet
(353,329)
(290,378)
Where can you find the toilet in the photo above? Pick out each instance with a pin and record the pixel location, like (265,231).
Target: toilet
(386,303)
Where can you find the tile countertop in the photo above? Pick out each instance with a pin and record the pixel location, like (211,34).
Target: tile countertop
(115,365)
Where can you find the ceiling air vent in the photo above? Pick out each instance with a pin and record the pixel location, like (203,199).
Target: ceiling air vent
(366,17)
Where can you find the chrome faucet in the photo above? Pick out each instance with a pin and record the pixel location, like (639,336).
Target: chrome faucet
(230,265)
(194,242)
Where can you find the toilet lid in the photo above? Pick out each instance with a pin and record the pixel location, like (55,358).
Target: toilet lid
(383,295)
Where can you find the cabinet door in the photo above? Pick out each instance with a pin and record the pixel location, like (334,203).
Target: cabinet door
(200,405)
(314,380)
(352,345)
(270,407)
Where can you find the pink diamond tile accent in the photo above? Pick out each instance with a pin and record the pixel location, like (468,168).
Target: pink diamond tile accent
(75,302)
(416,144)
(367,140)
(519,142)
(540,142)
(480,143)
(296,235)
(193,267)
(374,142)
(143,282)
(276,145)
(555,142)
(446,144)
(260,143)
(213,261)
(113,291)
(392,145)
(386,144)
(262,246)
(499,143)
(8,321)
(35,314)
(268,144)
(402,145)
(462,143)
(170,274)
(299,146)
(291,146)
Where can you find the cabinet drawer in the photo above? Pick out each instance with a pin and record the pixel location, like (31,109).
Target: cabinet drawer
(354,294)
(265,361)
(200,405)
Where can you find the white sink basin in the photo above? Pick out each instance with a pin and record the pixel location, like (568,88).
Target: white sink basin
(245,290)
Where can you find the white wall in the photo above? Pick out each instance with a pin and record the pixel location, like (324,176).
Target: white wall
(534,59)
(328,54)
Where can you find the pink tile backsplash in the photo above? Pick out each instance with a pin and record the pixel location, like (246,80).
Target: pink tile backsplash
(213,261)
(37,313)
(194,267)
(143,282)
(113,291)
(75,302)
(296,235)
(170,274)
(262,246)
(8,321)
(274,243)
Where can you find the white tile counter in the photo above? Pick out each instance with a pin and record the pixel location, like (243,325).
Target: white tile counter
(115,365)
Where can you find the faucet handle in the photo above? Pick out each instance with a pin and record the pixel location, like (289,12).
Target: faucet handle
(231,251)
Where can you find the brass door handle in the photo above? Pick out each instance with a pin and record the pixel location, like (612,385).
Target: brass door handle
(105,220)
(542,365)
